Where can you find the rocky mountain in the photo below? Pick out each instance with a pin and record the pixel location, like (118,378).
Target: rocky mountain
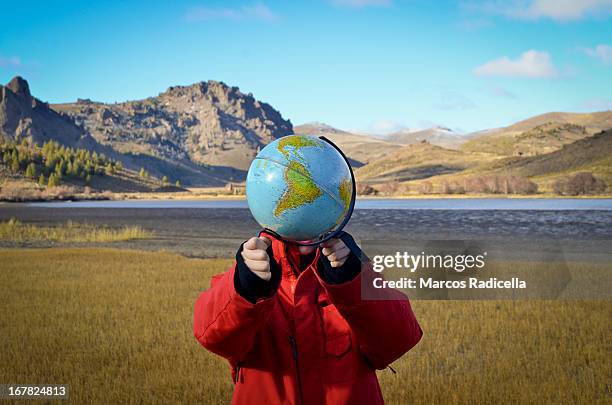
(22,115)
(133,133)
(208,123)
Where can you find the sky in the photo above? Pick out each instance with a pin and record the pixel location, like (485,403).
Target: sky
(365,65)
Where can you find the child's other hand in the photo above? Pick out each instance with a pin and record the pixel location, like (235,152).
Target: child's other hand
(256,258)
(336,252)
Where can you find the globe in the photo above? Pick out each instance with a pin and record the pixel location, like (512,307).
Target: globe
(300,187)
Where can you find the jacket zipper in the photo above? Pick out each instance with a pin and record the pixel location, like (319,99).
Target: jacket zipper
(294,351)
(238,375)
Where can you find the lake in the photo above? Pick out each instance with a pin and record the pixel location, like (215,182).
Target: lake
(567,229)
(561,204)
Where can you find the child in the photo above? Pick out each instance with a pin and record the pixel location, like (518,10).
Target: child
(292,323)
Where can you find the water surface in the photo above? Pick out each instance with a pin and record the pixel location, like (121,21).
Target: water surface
(560,204)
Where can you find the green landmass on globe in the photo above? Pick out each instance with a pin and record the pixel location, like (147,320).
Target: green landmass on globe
(346,193)
(297,142)
(301,189)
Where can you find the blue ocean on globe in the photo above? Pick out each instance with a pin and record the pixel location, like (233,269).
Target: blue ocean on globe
(299,186)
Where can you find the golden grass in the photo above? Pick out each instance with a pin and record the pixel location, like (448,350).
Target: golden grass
(16,231)
(117,326)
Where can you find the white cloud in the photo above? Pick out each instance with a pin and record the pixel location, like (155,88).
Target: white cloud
(10,62)
(559,10)
(530,64)
(258,11)
(602,52)
(361,3)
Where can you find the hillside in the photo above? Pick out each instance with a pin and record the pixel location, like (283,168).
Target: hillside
(541,134)
(208,123)
(593,154)
(361,149)
(418,161)
(595,121)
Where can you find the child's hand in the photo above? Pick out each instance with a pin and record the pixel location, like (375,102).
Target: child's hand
(336,252)
(255,256)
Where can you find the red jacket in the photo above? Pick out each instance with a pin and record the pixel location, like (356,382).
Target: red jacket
(309,342)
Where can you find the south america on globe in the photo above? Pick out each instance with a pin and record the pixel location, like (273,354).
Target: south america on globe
(300,187)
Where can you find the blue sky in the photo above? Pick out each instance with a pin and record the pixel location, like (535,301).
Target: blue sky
(369,65)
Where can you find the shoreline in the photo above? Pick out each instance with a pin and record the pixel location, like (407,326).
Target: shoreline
(197,197)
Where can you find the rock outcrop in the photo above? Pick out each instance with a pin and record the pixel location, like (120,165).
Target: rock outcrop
(209,123)
(24,116)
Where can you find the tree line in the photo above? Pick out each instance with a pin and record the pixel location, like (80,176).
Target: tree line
(52,163)
(584,183)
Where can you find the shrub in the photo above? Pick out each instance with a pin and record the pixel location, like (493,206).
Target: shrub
(452,188)
(426,187)
(500,184)
(364,189)
(583,183)
(390,188)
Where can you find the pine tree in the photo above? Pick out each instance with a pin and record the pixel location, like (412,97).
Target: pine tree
(7,157)
(76,169)
(53,180)
(60,168)
(109,169)
(42,180)
(88,180)
(15,164)
(31,171)
(178,183)
(119,166)
(165,180)
(143,173)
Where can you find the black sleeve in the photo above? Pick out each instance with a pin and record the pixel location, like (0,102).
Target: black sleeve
(249,285)
(349,270)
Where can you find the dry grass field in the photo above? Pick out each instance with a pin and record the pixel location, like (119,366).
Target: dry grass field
(18,232)
(116,326)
